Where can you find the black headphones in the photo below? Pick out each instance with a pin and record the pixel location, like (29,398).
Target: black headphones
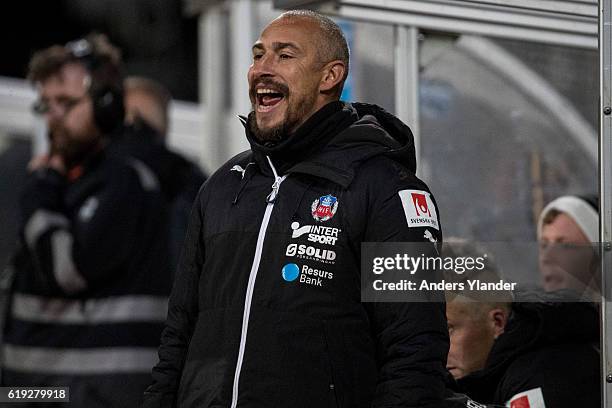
(107,98)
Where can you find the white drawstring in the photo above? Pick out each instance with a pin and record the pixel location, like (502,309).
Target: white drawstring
(277,182)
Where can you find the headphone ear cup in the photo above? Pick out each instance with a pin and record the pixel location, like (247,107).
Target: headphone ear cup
(108,108)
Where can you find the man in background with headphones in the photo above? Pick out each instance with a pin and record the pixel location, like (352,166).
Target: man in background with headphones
(92,277)
(80,96)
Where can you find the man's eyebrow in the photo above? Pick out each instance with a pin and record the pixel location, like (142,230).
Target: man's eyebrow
(282,45)
(276,46)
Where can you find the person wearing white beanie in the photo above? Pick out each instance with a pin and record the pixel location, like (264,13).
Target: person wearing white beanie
(568,228)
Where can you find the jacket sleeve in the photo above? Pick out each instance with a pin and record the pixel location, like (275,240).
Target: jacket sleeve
(182,315)
(411,337)
(75,250)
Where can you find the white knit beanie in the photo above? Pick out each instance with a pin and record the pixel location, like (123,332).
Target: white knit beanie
(578,209)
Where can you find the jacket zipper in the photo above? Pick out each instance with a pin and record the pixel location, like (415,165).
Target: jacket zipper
(252,276)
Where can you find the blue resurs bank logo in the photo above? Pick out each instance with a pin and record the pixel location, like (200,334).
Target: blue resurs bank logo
(307,274)
(290,272)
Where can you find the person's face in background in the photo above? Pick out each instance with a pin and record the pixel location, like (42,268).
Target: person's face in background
(566,255)
(285,77)
(142,105)
(69,113)
(472,328)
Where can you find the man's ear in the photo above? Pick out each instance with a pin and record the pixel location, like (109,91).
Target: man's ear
(333,74)
(498,317)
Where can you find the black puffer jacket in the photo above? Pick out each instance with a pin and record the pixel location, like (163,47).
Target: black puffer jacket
(547,354)
(266,308)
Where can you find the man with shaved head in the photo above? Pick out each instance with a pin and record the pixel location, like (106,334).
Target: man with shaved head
(266,309)
(315,46)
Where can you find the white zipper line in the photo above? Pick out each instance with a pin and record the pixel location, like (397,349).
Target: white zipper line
(251,284)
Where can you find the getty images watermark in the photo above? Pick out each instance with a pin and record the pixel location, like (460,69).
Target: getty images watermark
(423,272)
(409,265)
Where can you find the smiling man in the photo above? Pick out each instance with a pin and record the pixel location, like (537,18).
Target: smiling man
(266,309)
(285,81)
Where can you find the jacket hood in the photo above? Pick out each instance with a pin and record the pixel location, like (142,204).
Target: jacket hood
(396,136)
(332,142)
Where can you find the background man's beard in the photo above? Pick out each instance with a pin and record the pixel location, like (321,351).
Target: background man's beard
(73,151)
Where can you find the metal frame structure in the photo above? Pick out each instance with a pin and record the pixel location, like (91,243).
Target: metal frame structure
(407,80)
(563,22)
(605,192)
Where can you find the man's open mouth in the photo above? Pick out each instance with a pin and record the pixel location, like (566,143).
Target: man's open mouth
(268,99)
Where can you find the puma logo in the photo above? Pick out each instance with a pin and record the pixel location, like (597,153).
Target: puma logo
(430,237)
(239,169)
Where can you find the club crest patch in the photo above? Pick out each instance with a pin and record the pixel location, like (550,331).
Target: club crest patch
(324,208)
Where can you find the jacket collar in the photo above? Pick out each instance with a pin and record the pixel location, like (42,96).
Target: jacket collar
(304,150)
(333,141)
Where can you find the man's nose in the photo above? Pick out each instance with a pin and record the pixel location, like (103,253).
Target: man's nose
(53,116)
(264,66)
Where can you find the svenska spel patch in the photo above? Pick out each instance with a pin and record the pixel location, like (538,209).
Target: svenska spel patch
(527,399)
(419,209)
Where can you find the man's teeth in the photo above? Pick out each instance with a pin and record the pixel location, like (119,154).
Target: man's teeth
(266,91)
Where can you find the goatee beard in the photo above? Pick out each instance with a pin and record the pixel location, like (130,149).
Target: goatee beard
(296,111)
(268,136)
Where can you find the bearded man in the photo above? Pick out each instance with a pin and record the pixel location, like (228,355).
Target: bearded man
(266,308)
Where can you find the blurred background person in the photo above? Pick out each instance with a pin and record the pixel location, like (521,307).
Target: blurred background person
(147,100)
(521,348)
(92,277)
(147,111)
(568,231)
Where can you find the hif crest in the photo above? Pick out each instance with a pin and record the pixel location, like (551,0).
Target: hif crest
(324,208)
